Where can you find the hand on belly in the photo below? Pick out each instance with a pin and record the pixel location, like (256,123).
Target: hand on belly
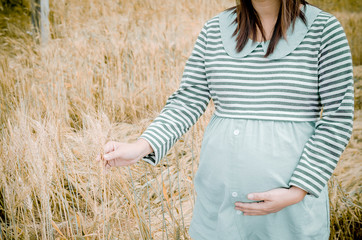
(271,201)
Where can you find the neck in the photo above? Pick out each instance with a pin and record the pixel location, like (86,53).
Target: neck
(266,9)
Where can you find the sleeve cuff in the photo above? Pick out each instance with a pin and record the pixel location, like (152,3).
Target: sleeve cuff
(303,185)
(151,158)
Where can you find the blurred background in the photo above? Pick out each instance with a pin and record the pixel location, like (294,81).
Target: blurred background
(103,71)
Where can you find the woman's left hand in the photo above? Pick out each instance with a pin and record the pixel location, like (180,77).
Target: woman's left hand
(272,201)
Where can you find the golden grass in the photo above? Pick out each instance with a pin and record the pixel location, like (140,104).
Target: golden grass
(95,81)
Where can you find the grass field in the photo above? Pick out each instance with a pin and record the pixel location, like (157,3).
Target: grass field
(96,81)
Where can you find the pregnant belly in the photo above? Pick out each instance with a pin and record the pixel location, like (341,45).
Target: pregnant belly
(246,155)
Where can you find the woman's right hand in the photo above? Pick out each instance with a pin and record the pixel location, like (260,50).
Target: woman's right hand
(118,154)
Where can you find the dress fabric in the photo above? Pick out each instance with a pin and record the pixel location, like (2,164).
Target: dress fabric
(240,156)
(267,130)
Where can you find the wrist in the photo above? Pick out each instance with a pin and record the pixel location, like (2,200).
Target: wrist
(298,193)
(144,147)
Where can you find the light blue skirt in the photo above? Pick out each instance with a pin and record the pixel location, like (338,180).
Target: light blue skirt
(240,156)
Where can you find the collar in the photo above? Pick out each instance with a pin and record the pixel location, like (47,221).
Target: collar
(283,47)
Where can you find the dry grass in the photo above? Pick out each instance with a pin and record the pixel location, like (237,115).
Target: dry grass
(95,81)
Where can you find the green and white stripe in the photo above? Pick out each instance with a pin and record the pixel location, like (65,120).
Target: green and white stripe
(318,73)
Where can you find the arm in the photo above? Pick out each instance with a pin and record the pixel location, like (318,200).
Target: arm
(333,131)
(183,108)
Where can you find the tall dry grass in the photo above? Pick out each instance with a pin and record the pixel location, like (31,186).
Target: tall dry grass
(106,74)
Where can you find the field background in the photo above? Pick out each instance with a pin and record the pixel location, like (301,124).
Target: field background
(105,74)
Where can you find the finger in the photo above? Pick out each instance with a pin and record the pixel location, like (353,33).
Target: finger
(251,206)
(106,166)
(109,147)
(259,196)
(111,155)
(255,213)
(251,212)
(111,163)
(117,163)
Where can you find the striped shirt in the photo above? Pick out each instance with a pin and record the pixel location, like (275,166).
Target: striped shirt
(309,72)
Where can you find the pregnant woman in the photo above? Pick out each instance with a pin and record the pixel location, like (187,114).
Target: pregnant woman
(270,67)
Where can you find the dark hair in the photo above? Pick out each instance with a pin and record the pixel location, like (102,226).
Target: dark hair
(247,20)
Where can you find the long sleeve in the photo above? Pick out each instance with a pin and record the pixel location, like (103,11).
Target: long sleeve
(334,129)
(183,107)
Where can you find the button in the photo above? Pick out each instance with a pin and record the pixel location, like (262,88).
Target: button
(238,212)
(236,131)
(234,194)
